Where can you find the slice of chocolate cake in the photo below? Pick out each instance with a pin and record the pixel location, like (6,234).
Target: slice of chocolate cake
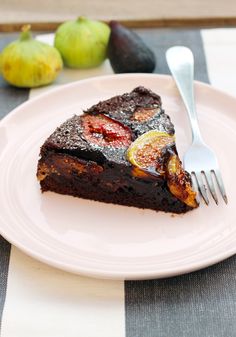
(119,151)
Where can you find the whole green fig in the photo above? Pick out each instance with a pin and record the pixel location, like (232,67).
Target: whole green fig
(82,43)
(29,63)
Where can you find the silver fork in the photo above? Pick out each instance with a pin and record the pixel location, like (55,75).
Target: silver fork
(199,160)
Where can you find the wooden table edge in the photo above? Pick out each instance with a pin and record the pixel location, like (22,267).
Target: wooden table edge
(152,23)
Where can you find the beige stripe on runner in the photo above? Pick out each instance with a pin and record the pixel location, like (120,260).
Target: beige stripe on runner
(43,301)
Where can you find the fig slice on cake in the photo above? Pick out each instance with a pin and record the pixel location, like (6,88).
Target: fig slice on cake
(155,153)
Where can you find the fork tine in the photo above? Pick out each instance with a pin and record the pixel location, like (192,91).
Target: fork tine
(201,187)
(220,184)
(211,186)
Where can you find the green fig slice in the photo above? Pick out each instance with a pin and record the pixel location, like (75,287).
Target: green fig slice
(145,151)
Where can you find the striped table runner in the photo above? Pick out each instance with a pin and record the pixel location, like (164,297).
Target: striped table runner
(38,300)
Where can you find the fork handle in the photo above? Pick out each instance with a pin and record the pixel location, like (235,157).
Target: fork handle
(181,63)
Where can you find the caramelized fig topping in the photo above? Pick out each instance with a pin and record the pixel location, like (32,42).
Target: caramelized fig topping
(144,114)
(179,182)
(145,152)
(153,154)
(103,131)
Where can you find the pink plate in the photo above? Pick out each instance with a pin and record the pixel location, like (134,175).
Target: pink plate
(110,241)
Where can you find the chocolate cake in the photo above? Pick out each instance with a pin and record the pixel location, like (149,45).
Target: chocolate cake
(119,151)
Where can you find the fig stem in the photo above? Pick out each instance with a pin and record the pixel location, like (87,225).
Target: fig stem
(81,19)
(25,33)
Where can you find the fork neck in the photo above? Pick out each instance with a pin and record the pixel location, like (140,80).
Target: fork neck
(196,134)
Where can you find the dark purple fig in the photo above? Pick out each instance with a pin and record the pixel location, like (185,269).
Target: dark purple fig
(127,52)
